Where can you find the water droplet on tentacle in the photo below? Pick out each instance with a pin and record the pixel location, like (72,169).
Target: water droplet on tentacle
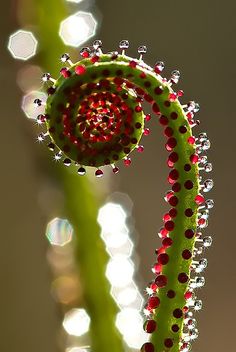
(97,44)
(66,58)
(81,171)
(124,44)
(197,282)
(207,167)
(98,173)
(41,137)
(51,147)
(58,156)
(207,185)
(200,265)
(196,304)
(38,102)
(67,162)
(115,169)
(46,77)
(175,76)
(186,347)
(142,49)
(206,241)
(159,66)
(85,52)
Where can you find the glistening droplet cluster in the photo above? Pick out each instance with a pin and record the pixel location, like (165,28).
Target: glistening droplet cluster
(94,117)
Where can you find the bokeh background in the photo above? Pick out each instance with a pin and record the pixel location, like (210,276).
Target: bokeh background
(196,37)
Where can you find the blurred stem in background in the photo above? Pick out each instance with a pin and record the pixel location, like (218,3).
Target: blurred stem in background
(81,200)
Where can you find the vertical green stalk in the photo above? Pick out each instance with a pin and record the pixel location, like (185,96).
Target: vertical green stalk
(81,204)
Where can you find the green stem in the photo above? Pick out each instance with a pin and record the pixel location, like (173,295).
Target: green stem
(91,258)
(81,204)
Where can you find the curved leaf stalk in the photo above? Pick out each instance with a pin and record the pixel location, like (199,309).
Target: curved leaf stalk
(94,117)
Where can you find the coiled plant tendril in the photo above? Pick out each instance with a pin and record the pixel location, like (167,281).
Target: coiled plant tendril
(94,117)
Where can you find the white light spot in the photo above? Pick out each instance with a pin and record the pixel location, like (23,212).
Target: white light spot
(76,1)
(76,322)
(29,78)
(59,232)
(125,248)
(78,28)
(116,237)
(77,349)
(125,296)
(111,217)
(22,45)
(130,324)
(128,296)
(120,271)
(28,106)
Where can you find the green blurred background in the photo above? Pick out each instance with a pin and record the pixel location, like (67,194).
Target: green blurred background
(198,39)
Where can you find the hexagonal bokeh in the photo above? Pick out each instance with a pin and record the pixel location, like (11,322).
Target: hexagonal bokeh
(22,45)
(76,322)
(111,217)
(59,232)
(77,349)
(76,1)
(28,106)
(130,323)
(128,296)
(120,271)
(29,78)
(125,248)
(78,28)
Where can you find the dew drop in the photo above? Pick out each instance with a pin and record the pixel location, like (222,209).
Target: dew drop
(81,171)
(208,185)
(65,57)
(142,49)
(207,241)
(97,44)
(208,167)
(85,52)
(99,173)
(209,203)
(51,147)
(46,77)
(159,66)
(67,162)
(124,44)
(198,305)
(37,102)
(175,76)
(41,137)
